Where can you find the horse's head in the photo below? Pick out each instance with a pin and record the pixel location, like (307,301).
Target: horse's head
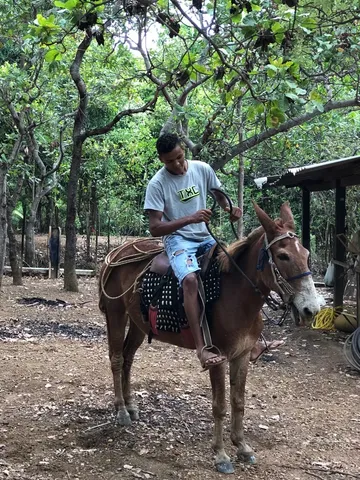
(286,270)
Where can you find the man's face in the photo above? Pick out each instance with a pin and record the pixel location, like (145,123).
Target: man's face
(174,161)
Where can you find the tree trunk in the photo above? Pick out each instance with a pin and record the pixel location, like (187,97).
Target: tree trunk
(30,234)
(91,226)
(70,279)
(49,214)
(240,224)
(14,257)
(23,228)
(3,221)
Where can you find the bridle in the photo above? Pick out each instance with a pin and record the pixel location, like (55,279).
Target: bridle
(285,289)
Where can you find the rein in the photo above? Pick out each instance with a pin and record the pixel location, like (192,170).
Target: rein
(283,285)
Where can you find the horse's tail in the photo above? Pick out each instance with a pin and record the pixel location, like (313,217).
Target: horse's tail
(101,286)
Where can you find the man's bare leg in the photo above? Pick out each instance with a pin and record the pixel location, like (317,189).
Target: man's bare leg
(192,310)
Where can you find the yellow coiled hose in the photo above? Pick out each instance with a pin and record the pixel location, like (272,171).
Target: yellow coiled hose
(324,320)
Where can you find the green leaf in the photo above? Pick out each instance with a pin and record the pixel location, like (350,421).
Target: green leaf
(52,55)
(228,97)
(68,5)
(236,18)
(314,95)
(255,8)
(277,116)
(277,27)
(45,22)
(291,95)
(309,23)
(201,69)
(193,75)
(162,4)
(271,70)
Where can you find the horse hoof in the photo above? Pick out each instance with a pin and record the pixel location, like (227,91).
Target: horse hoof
(134,415)
(225,467)
(247,458)
(123,419)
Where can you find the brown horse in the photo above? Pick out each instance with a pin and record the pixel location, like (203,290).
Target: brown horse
(236,319)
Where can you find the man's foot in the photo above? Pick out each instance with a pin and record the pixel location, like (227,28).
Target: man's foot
(262,347)
(210,359)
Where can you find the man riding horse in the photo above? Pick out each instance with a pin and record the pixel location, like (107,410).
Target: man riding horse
(176,204)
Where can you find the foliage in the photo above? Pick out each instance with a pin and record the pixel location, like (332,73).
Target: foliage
(292,67)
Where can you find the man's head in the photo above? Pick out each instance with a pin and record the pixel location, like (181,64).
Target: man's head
(171,153)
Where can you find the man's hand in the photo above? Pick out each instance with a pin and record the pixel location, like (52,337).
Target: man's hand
(235,214)
(202,216)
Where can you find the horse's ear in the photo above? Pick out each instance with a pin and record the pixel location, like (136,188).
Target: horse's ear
(287,216)
(269,225)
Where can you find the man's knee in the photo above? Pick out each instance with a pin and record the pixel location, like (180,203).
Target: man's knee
(190,283)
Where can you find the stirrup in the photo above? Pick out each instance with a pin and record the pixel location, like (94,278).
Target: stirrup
(215,364)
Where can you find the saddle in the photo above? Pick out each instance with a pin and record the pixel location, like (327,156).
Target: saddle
(162,297)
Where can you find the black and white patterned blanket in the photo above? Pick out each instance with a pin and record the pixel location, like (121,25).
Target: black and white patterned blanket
(171,314)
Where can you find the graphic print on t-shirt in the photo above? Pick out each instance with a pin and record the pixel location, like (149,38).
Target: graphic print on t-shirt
(188,193)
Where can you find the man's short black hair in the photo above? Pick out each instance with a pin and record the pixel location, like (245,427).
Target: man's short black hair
(167,142)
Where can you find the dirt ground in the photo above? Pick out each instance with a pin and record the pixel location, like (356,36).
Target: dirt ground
(302,416)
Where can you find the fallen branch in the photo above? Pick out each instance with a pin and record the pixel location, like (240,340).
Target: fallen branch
(318,469)
(313,475)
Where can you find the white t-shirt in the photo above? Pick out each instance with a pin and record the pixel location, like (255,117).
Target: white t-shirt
(178,196)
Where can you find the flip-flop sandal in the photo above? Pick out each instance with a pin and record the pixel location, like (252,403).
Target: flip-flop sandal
(267,349)
(215,361)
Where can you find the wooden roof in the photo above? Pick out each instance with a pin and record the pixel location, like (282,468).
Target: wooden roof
(319,176)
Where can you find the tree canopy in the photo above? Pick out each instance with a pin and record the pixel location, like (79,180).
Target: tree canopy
(86,87)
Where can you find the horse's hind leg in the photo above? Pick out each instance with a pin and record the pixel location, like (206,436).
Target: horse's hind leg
(238,373)
(134,339)
(116,320)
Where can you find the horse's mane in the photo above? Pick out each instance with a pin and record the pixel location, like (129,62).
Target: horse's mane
(238,248)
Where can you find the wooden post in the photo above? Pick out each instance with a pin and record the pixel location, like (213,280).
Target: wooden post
(339,247)
(305,226)
(49,253)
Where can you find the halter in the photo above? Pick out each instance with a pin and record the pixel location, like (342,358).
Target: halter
(285,289)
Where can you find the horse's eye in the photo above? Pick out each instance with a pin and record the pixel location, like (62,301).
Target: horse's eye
(283,256)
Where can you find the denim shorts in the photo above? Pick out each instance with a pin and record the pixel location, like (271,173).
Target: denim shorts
(182,254)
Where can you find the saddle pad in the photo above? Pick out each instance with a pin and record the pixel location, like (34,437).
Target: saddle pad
(171,314)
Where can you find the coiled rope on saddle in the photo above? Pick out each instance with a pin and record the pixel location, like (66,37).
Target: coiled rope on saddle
(112,260)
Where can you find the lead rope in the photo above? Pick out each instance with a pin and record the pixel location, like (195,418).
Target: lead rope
(269,300)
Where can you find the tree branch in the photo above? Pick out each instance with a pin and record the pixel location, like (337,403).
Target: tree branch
(80,84)
(60,157)
(271,132)
(131,111)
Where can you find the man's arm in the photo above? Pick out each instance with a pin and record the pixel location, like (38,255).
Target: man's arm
(224,204)
(158,228)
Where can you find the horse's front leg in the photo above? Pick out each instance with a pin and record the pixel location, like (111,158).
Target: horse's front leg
(238,373)
(217,377)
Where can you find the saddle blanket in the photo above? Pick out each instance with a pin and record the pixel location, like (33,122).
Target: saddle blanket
(170,311)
